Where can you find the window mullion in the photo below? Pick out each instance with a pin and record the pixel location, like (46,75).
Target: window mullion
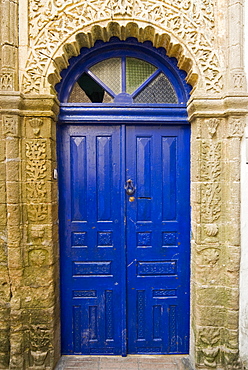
(151,78)
(123,74)
(105,87)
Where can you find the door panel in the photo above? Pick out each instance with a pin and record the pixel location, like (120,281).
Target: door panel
(158,239)
(124,260)
(91,243)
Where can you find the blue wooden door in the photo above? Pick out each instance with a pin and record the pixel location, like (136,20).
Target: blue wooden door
(158,239)
(124,257)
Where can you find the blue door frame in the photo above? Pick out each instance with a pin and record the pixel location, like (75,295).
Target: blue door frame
(125,258)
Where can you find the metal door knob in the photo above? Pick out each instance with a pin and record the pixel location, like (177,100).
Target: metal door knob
(129,187)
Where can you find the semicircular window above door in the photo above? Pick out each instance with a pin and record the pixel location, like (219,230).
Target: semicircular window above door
(123,80)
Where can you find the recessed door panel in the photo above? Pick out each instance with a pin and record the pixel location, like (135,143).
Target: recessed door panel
(124,231)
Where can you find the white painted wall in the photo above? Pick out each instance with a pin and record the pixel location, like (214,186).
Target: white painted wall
(244,225)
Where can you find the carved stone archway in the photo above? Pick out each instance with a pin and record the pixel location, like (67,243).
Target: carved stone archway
(61,38)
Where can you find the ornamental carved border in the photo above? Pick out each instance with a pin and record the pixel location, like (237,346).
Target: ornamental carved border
(184,28)
(36,170)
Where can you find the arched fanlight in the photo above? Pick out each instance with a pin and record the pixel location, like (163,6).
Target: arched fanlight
(125,79)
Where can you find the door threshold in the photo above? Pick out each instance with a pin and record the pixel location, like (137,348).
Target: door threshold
(130,362)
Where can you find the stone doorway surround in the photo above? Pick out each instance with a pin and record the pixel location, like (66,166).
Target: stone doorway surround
(206,38)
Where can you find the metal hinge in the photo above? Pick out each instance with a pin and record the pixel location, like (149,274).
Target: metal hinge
(55,174)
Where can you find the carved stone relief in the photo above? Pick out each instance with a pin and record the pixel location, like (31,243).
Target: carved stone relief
(37,212)
(212,125)
(36,169)
(37,275)
(36,191)
(236,126)
(7,81)
(210,338)
(41,12)
(36,123)
(239,81)
(10,125)
(210,256)
(39,339)
(210,175)
(38,257)
(211,190)
(190,23)
(37,232)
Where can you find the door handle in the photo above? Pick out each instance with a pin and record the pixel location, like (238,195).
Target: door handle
(129,187)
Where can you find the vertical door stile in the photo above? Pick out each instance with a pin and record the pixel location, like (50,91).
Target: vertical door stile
(124,241)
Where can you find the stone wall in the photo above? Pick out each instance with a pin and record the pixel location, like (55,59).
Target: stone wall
(244,230)
(206,37)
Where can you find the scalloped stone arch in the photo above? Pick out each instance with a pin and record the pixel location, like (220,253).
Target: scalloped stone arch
(123,30)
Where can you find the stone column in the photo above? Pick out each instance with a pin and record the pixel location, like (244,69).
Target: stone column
(11,125)
(217,127)
(10,207)
(40,256)
(234,129)
(10,228)
(4,276)
(9,45)
(208,306)
(236,77)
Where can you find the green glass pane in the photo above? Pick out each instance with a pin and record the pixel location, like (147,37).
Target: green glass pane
(109,72)
(137,71)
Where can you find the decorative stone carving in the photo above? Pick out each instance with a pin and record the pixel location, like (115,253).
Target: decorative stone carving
(210,338)
(39,339)
(212,125)
(231,352)
(211,154)
(236,126)
(36,172)
(37,212)
(37,232)
(37,257)
(16,361)
(239,81)
(36,149)
(36,124)
(232,359)
(185,22)
(10,125)
(210,256)
(7,81)
(202,13)
(36,169)
(210,173)
(211,229)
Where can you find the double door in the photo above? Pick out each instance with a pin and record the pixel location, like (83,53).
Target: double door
(124,236)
